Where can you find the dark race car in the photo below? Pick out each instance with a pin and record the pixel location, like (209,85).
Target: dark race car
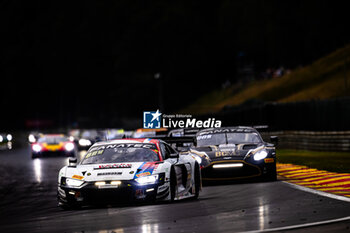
(5,141)
(230,153)
(88,137)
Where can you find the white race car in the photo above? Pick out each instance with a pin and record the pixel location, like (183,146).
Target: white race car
(129,169)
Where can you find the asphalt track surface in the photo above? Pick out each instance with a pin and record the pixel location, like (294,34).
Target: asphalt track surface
(28,204)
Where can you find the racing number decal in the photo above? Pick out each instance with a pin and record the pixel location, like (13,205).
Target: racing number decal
(93,153)
(222,153)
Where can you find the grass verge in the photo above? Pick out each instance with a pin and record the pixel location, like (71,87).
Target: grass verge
(327,77)
(322,160)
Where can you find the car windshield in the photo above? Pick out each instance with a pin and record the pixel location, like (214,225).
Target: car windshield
(52,140)
(118,153)
(227,138)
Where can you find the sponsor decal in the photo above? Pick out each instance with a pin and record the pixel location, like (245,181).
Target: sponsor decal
(77,177)
(223,153)
(157,120)
(108,173)
(227,130)
(100,149)
(111,166)
(89,174)
(146,167)
(204,137)
(143,174)
(269,160)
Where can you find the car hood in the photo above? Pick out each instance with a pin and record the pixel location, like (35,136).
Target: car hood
(228,151)
(113,171)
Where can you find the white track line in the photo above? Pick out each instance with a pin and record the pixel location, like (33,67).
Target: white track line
(301,225)
(314,191)
(318,192)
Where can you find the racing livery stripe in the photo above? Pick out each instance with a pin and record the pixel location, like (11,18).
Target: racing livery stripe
(330,182)
(147,140)
(145,169)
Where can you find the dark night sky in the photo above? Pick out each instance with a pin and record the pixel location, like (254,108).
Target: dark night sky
(96,60)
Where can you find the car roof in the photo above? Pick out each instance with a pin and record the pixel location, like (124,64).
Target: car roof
(233,129)
(52,136)
(131,140)
(128,140)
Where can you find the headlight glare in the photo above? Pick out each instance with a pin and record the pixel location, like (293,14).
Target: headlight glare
(260,155)
(69,146)
(147,179)
(100,183)
(84,142)
(31,138)
(74,182)
(36,147)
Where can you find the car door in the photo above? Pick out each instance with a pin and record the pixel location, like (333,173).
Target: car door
(183,170)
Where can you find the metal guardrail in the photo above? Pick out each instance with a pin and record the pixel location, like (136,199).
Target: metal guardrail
(312,140)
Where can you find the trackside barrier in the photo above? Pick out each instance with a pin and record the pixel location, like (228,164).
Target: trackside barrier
(312,140)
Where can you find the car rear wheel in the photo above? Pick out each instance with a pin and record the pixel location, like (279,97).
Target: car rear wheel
(172,184)
(197,181)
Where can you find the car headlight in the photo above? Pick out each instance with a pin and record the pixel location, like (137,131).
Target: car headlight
(9,137)
(147,179)
(36,147)
(31,138)
(69,146)
(84,142)
(74,182)
(260,155)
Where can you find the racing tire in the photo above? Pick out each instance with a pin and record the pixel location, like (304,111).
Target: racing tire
(172,184)
(69,206)
(271,175)
(66,205)
(152,199)
(197,181)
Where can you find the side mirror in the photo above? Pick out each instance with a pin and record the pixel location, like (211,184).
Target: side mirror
(274,140)
(174,156)
(72,162)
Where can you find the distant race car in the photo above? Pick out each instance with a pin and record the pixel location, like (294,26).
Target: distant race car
(129,170)
(89,137)
(230,153)
(53,144)
(5,141)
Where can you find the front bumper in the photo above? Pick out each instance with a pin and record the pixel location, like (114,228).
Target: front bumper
(54,153)
(243,170)
(89,193)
